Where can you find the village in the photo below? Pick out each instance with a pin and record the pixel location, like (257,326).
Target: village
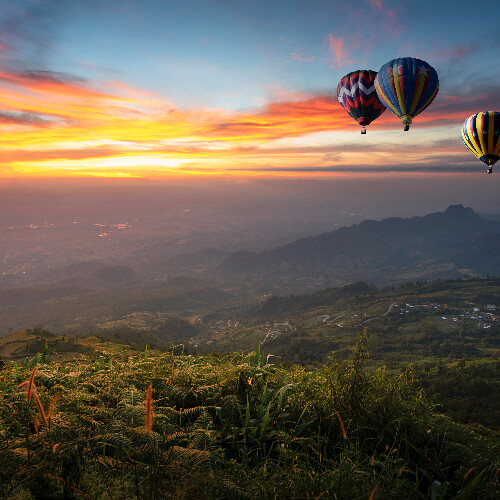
(483,317)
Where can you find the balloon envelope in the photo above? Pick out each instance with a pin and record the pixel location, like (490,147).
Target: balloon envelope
(481,134)
(356,92)
(407,86)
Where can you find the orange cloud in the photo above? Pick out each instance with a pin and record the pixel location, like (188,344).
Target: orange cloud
(48,82)
(339,53)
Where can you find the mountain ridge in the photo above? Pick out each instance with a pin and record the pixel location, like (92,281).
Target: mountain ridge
(376,248)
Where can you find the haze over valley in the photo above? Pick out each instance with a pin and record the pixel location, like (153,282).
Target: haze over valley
(153,227)
(94,254)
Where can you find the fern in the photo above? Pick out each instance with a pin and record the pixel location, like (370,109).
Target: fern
(231,412)
(233,427)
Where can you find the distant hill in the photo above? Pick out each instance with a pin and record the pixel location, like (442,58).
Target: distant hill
(439,245)
(24,343)
(171,330)
(276,307)
(70,272)
(97,301)
(90,275)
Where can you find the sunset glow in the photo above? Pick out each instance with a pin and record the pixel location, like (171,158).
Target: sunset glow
(111,122)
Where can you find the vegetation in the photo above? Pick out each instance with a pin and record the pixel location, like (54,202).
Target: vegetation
(467,391)
(165,425)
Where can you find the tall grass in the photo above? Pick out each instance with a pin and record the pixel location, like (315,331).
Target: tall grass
(232,427)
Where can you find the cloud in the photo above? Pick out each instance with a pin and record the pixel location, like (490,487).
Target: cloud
(51,82)
(338,52)
(32,119)
(453,54)
(316,113)
(376,169)
(52,121)
(29,30)
(73,100)
(3,49)
(20,155)
(459,103)
(300,55)
(313,113)
(377,4)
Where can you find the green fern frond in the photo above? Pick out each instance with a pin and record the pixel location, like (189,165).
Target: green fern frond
(231,411)
(189,457)
(204,421)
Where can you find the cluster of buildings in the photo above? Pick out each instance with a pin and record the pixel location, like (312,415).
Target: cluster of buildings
(483,317)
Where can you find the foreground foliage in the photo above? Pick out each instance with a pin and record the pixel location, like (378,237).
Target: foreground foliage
(174,426)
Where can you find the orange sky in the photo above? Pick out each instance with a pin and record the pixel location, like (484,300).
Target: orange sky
(53,127)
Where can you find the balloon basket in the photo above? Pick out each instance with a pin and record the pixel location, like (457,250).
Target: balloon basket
(407,127)
(363,130)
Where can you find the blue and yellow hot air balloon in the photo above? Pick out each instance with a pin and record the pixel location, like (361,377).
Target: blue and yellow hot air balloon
(481,134)
(406,86)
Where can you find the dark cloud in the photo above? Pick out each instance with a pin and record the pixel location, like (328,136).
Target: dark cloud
(459,98)
(24,118)
(30,30)
(49,76)
(438,167)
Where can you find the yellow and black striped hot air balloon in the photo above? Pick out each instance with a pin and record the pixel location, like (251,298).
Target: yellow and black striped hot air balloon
(481,134)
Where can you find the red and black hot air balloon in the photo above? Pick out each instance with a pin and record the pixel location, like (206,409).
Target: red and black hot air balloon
(356,92)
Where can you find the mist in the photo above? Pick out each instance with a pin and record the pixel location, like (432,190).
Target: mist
(46,224)
(28,201)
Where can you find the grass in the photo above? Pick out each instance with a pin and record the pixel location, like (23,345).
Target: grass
(150,425)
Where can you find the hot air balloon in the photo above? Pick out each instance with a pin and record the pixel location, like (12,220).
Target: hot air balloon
(481,134)
(406,86)
(356,93)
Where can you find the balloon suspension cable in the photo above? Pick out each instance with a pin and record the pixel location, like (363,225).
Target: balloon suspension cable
(363,130)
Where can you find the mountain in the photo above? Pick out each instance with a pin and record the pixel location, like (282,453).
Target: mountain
(439,245)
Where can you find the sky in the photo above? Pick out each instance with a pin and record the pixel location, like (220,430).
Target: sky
(169,89)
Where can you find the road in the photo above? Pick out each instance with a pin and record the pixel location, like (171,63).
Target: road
(381,316)
(324,317)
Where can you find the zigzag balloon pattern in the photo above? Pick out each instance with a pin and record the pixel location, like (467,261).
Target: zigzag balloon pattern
(356,93)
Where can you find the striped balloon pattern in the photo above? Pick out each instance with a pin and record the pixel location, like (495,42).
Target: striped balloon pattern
(407,86)
(481,134)
(356,92)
